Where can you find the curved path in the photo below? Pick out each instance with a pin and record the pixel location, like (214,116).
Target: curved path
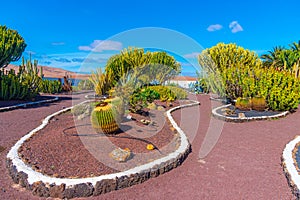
(244,164)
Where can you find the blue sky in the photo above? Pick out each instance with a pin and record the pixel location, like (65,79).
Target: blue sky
(64,33)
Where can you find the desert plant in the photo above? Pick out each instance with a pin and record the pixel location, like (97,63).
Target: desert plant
(218,60)
(281,58)
(104,118)
(29,75)
(50,86)
(85,85)
(101,81)
(12,46)
(243,103)
(165,93)
(259,103)
(178,92)
(141,98)
(152,66)
(11,87)
(67,85)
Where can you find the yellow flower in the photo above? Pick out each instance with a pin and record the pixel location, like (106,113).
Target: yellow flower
(150,147)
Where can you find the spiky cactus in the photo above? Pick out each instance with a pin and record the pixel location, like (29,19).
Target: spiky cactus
(29,75)
(105,118)
(259,103)
(11,87)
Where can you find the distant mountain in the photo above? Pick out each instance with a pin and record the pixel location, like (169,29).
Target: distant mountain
(53,72)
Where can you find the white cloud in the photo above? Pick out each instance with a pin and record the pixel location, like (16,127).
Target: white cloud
(57,43)
(192,55)
(102,45)
(214,27)
(235,27)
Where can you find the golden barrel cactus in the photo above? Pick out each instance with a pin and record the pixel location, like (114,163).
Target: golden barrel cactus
(105,118)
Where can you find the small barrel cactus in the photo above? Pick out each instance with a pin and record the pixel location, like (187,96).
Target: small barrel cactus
(243,104)
(259,103)
(105,119)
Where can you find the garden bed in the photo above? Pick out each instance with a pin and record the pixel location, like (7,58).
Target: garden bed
(231,114)
(137,169)
(61,149)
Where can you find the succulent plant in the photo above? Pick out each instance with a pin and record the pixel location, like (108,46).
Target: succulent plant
(243,104)
(259,103)
(105,118)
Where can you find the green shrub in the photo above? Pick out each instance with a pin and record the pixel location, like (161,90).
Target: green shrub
(165,94)
(11,86)
(179,92)
(169,93)
(281,90)
(85,85)
(50,86)
(140,99)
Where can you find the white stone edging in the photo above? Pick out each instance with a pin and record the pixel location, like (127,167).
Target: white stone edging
(27,104)
(34,176)
(289,165)
(233,119)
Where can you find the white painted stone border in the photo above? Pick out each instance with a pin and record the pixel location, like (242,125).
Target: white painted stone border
(34,176)
(24,105)
(289,166)
(235,119)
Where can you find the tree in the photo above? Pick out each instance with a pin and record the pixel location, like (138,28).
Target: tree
(272,58)
(223,56)
(284,59)
(152,66)
(218,60)
(12,46)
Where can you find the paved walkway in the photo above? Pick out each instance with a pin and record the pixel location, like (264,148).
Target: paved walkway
(244,164)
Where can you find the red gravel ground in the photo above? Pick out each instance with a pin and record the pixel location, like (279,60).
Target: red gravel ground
(244,164)
(57,150)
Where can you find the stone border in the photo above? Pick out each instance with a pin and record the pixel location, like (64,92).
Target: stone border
(46,186)
(289,166)
(24,105)
(245,119)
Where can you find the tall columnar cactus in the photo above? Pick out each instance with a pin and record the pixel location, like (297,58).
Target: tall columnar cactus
(104,118)
(12,46)
(10,86)
(29,75)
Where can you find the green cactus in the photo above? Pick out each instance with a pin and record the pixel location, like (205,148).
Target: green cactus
(243,103)
(29,75)
(51,87)
(11,87)
(12,46)
(105,119)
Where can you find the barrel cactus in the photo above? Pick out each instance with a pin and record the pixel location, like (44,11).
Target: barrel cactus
(105,119)
(259,103)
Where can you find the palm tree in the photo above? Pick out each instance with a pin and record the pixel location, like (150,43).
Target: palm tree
(273,57)
(295,46)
